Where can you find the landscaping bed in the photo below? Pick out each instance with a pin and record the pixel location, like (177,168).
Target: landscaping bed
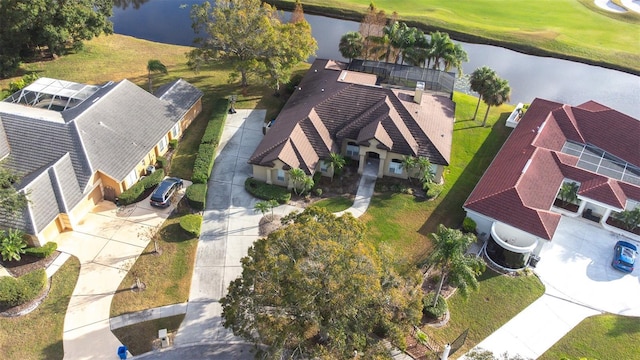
(27,264)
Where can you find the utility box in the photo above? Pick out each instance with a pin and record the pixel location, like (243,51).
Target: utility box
(164,339)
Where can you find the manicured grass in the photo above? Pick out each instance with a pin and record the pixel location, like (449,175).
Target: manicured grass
(167,276)
(498,299)
(38,335)
(139,337)
(599,337)
(567,28)
(335,204)
(404,223)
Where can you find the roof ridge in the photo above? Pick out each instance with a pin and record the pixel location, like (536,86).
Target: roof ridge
(355,121)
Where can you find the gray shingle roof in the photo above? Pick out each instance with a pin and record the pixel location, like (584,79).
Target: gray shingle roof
(180,94)
(4,143)
(122,126)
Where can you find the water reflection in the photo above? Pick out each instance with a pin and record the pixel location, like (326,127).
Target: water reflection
(529,76)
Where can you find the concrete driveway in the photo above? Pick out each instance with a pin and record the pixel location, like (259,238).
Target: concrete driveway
(575,268)
(107,242)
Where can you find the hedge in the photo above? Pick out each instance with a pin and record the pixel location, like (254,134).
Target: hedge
(203,164)
(196,196)
(191,224)
(213,131)
(133,193)
(468,225)
(266,191)
(17,291)
(161,162)
(42,251)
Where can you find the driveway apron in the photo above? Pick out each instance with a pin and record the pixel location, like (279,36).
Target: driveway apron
(107,242)
(229,228)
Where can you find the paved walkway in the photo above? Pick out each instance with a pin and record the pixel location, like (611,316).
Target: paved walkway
(107,242)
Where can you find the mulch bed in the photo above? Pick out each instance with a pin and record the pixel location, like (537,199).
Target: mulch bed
(620,225)
(27,264)
(569,207)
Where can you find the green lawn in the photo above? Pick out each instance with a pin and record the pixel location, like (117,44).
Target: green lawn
(38,335)
(498,299)
(404,223)
(599,337)
(139,337)
(167,276)
(335,204)
(567,28)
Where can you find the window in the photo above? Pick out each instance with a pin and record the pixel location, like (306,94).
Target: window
(162,145)
(175,130)
(353,150)
(395,167)
(131,178)
(324,165)
(280,176)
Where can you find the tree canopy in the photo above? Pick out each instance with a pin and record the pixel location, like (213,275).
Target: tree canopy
(250,34)
(35,25)
(316,289)
(12,202)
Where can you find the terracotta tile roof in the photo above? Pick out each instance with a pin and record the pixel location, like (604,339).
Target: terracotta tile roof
(325,111)
(523,199)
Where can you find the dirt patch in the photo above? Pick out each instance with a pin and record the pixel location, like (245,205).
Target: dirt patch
(268,224)
(27,264)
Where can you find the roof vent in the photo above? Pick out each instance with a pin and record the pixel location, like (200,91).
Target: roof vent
(417,97)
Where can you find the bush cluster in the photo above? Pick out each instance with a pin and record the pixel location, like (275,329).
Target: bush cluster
(208,144)
(191,224)
(468,225)
(434,312)
(196,196)
(42,251)
(265,191)
(17,291)
(133,194)
(161,162)
(173,143)
(434,190)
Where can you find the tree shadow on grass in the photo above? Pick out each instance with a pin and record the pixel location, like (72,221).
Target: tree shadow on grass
(449,211)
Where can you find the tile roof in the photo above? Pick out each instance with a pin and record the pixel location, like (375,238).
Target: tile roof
(325,111)
(522,182)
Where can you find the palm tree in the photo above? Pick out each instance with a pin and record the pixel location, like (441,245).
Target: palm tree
(630,218)
(480,80)
(262,206)
(424,170)
(568,193)
(439,46)
(297,177)
(351,45)
(449,247)
(155,66)
(454,58)
(336,162)
(408,164)
(497,94)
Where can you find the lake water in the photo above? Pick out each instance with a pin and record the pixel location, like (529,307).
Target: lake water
(529,76)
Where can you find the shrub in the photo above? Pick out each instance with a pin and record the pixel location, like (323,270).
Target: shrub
(434,190)
(196,196)
(434,312)
(173,143)
(214,129)
(12,244)
(265,191)
(203,164)
(42,251)
(133,193)
(17,291)
(191,224)
(468,225)
(318,191)
(161,162)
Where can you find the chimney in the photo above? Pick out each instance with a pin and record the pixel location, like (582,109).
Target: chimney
(417,97)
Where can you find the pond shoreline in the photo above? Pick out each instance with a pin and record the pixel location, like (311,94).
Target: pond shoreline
(344,14)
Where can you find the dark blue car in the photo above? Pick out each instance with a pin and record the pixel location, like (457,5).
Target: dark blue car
(624,256)
(161,197)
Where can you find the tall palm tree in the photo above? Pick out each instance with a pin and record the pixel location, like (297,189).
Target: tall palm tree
(480,80)
(408,164)
(417,54)
(351,45)
(155,66)
(497,94)
(454,58)
(449,247)
(439,46)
